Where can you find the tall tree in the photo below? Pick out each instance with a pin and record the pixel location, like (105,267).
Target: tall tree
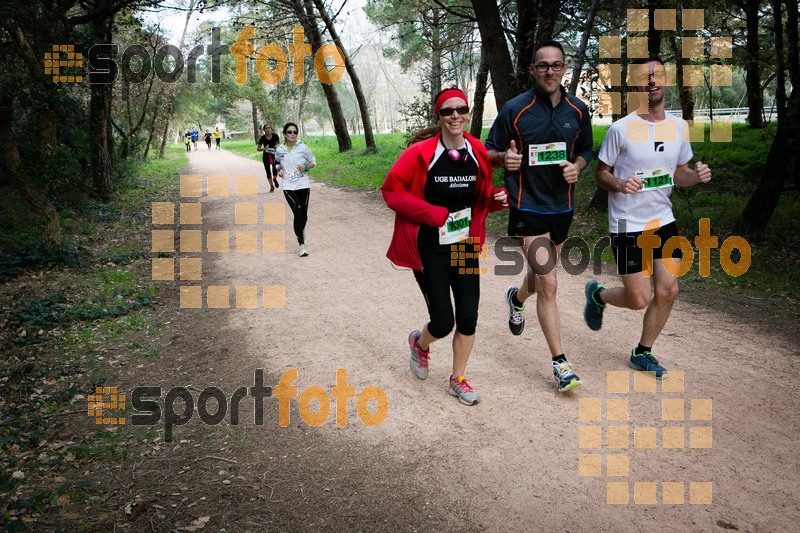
(548,12)
(481,82)
(780,72)
(685,93)
(100,119)
(304,11)
(22,81)
(783,159)
(524,40)
(580,58)
(100,14)
(171,90)
(427,31)
(363,106)
(755,98)
(495,47)
(792,51)
(653,34)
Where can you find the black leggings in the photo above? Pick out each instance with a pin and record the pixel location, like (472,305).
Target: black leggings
(435,280)
(269,166)
(298,203)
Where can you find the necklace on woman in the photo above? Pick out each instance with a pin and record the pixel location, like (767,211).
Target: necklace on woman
(454,154)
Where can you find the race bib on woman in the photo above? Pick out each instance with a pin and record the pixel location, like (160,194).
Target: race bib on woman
(456,228)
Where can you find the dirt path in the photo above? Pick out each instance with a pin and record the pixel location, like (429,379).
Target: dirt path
(510,463)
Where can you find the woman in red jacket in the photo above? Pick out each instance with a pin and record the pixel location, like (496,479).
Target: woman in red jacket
(441,190)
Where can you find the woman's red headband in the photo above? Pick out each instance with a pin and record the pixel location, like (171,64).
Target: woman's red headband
(446,95)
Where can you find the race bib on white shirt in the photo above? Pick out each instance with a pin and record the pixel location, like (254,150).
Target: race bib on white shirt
(547,154)
(456,228)
(294,176)
(656,178)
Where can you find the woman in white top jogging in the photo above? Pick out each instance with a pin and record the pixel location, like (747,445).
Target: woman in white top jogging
(294,159)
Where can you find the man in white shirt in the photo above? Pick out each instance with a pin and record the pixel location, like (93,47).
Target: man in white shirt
(642,157)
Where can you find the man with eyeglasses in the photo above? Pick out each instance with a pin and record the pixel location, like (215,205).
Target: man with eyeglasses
(543,139)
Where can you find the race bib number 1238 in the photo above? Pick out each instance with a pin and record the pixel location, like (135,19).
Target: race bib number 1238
(547,154)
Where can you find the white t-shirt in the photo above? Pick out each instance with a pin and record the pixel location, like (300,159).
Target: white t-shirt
(288,160)
(630,147)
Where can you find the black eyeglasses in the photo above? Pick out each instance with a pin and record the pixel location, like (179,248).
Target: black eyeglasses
(558,66)
(447,111)
(291,132)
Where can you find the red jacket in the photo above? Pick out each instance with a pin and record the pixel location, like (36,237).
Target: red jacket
(403,191)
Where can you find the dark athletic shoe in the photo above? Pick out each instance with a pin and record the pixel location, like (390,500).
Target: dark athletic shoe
(647,363)
(592,311)
(516,316)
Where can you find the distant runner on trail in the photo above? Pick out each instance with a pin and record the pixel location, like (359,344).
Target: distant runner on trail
(295,160)
(267,144)
(217,136)
(441,190)
(642,157)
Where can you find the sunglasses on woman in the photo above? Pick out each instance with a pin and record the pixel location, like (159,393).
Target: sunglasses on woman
(291,132)
(447,111)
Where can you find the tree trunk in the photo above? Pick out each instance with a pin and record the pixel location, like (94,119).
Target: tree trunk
(9,153)
(792,51)
(762,203)
(755,99)
(549,11)
(527,18)
(305,13)
(780,73)
(476,126)
(170,98)
(599,200)
(162,153)
(436,62)
(363,105)
(256,129)
(496,50)
(793,60)
(653,35)
(152,130)
(100,122)
(578,67)
(686,94)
